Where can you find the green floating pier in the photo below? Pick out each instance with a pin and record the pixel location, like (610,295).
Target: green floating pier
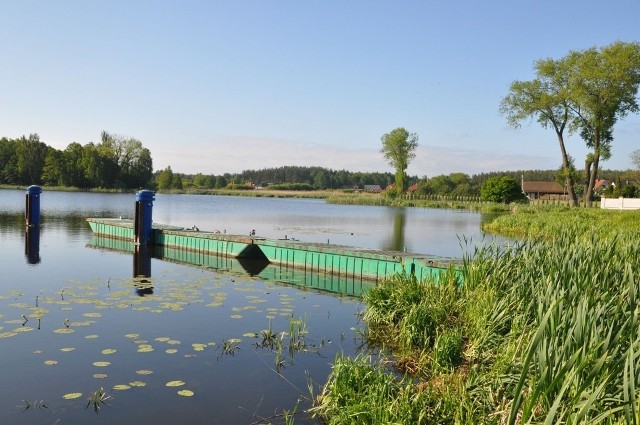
(315,258)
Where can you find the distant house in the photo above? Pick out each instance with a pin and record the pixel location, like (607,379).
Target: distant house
(373,188)
(412,188)
(544,190)
(601,185)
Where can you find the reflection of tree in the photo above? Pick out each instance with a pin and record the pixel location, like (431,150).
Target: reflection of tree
(397,241)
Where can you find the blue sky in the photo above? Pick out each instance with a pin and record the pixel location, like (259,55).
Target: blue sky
(224,86)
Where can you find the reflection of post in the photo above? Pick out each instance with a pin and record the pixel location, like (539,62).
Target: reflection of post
(142,261)
(32,245)
(142,269)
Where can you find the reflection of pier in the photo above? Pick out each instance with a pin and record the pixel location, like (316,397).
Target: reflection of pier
(241,266)
(220,251)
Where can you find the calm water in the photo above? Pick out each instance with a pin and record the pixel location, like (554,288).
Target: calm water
(73,319)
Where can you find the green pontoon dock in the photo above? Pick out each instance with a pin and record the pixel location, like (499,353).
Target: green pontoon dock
(336,260)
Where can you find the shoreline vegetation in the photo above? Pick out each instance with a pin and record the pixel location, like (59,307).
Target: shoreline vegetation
(543,331)
(333,196)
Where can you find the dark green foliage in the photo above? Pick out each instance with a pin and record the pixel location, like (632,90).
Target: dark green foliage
(115,163)
(501,189)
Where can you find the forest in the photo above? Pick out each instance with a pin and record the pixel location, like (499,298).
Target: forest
(114,163)
(119,163)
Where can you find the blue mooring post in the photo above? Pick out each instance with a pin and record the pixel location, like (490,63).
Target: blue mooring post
(143,232)
(32,211)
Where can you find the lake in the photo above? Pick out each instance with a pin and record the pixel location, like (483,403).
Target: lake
(189,344)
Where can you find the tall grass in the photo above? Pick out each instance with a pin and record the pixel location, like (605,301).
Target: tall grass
(546,331)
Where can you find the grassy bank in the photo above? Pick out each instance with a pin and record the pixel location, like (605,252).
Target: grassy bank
(546,221)
(545,331)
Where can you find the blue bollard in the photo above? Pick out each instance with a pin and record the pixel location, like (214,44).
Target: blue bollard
(32,211)
(143,217)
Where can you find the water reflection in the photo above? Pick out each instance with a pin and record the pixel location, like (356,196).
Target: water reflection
(142,269)
(32,245)
(397,240)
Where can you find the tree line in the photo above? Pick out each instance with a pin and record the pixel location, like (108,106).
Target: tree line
(115,162)
(303,177)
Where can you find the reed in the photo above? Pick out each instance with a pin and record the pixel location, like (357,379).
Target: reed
(545,331)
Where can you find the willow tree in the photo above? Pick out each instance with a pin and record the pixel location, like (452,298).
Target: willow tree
(547,99)
(398,148)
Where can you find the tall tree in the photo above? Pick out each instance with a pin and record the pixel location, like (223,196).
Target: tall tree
(604,84)
(31,153)
(398,148)
(546,98)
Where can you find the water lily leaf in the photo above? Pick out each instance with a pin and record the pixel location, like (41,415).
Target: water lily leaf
(91,337)
(100,375)
(101,364)
(23,329)
(67,349)
(64,331)
(50,362)
(7,334)
(132,336)
(199,347)
(163,339)
(185,393)
(170,351)
(92,314)
(137,384)
(71,396)
(175,383)
(38,352)
(236,316)
(121,387)
(144,372)
(174,342)
(108,351)
(145,348)
(250,335)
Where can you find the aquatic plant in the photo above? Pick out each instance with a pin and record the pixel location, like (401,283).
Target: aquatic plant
(38,404)
(98,399)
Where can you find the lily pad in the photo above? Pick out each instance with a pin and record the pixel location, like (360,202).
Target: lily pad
(71,396)
(51,362)
(108,351)
(121,387)
(102,364)
(144,372)
(175,383)
(185,393)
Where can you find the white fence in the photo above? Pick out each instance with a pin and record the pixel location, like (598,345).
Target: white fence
(620,203)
